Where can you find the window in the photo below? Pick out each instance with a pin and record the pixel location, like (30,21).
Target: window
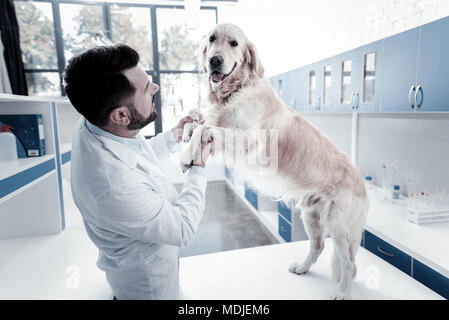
(327,76)
(132,26)
(38,45)
(179,41)
(181,92)
(182,86)
(46,48)
(369,77)
(346,82)
(79,24)
(312,87)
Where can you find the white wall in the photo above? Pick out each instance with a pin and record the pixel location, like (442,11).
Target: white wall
(293,33)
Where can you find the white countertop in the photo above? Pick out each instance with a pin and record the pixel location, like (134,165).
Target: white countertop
(425,242)
(262,273)
(63,266)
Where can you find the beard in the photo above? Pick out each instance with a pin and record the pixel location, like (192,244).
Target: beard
(138,121)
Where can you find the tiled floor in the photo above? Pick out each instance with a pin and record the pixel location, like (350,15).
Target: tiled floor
(226,225)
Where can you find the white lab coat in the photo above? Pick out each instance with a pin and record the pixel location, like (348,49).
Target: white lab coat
(133,214)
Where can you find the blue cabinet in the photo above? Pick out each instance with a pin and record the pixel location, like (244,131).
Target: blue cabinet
(431,279)
(387,252)
(251,196)
(399,71)
(433,67)
(285,229)
(284,211)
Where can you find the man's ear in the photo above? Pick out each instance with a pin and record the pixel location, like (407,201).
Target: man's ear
(202,53)
(253,61)
(120,116)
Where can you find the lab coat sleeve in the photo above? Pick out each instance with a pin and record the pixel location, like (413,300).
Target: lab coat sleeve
(164,144)
(141,213)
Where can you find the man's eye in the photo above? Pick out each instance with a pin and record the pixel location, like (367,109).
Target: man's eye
(234,43)
(212,38)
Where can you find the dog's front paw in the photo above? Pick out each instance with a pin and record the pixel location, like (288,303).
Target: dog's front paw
(298,268)
(185,166)
(341,295)
(189,127)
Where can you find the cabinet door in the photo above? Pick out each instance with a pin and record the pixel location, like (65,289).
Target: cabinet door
(431,279)
(347,78)
(299,97)
(313,87)
(367,78)
(433,66)
(399,71)
(330,72)
(389,253)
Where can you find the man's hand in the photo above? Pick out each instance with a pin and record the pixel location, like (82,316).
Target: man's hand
(179,129)
(194,117)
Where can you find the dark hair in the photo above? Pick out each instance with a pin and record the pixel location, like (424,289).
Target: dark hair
(95,83)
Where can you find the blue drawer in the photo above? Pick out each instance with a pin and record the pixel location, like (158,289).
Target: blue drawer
(431,279)
(251,196)
(387,252)
(285,229)
(285,211)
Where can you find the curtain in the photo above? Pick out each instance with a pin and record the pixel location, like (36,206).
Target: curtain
(10,37)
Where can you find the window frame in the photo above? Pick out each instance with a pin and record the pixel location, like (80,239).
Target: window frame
(155,72)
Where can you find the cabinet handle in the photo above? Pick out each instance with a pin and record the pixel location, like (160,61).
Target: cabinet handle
(354,98)
(419,89)
(412,105)
(283,229)
(389,255)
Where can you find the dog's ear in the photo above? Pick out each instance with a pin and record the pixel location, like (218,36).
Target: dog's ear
(253,61)
(202,53)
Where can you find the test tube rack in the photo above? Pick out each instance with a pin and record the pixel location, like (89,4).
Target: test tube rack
(419,216)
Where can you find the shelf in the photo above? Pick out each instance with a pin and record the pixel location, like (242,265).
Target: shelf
(19,173)
(11,168)
(4,97)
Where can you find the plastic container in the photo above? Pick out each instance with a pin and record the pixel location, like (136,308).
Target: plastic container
(8,144)
(395,194)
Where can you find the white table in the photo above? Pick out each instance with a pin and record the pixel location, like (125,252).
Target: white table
(262,273)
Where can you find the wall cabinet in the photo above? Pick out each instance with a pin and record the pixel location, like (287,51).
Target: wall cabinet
(402,73)
(399,71)
(433,67)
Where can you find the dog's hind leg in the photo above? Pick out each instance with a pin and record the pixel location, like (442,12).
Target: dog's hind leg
(343,254)
(314,230)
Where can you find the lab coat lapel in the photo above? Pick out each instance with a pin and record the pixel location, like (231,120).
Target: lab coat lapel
(131,157)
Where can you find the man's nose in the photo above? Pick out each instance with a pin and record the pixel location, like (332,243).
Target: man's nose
(155,88)
(216,61)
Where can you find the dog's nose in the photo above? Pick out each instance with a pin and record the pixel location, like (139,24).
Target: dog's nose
(216,61)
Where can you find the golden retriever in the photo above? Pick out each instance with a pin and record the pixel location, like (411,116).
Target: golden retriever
(247,120)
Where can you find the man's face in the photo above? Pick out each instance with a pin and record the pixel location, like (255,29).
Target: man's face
(143,111)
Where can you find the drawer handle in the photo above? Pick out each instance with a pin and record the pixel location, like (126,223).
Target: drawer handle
(389,255)
(283,229)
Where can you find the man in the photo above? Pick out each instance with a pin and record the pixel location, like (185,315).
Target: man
(130,210)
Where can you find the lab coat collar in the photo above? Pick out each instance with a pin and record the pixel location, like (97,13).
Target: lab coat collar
(131,157)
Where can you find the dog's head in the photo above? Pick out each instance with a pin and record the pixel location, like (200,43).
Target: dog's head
(226,51)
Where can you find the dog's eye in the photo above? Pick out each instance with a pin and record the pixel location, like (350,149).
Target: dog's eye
(212,38)
(234,43)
